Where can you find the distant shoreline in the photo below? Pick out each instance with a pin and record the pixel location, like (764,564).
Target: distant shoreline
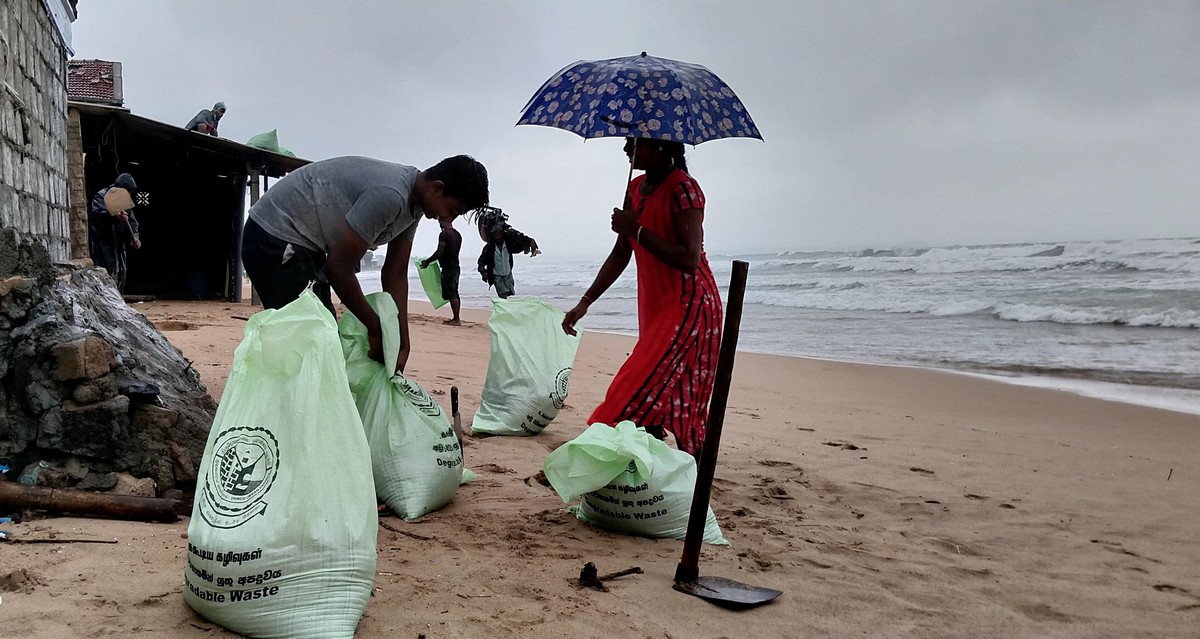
(1095,384)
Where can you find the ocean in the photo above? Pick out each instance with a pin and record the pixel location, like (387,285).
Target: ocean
(1118,319)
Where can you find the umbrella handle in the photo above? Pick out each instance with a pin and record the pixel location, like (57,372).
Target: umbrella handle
(628,180)
(706,467)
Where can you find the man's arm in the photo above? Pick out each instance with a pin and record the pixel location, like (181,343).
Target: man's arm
(436,254)
(518,242)
(485,263)
(339,270)
(395,281)
(137,231)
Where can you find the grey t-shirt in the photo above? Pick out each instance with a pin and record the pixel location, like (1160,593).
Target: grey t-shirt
(308,205)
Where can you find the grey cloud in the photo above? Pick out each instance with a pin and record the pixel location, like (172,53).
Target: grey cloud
(885,122)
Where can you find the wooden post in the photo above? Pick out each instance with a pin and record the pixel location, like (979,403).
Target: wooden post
(254,186)
(68,500)
(688,568)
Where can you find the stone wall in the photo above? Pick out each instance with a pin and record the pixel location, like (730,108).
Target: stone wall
(33,117)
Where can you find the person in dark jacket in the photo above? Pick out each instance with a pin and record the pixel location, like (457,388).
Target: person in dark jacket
(110,232)
(496,260)
(207,120)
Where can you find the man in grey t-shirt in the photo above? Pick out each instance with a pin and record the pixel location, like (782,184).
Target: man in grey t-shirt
(318,221)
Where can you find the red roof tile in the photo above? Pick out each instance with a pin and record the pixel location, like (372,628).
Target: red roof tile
(95,81)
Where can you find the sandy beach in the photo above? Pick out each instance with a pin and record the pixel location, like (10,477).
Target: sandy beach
(882,501)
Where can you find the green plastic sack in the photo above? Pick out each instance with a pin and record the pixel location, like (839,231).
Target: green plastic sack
(431,281)
(529,371)
(628,481)
(269,141)
(415,456)
(282,537)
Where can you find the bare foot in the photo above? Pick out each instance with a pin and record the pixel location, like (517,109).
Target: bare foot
(452,322)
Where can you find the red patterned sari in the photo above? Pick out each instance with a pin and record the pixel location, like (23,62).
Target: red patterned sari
(668,379)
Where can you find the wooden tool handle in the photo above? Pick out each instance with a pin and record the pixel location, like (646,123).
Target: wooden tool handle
(706,467)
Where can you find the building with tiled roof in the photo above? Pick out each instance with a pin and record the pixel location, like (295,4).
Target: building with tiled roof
(95,81)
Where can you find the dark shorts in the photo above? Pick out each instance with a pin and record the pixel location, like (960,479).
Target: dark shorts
(279,273)
(450,283)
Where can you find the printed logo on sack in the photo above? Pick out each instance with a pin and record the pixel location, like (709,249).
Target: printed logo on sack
(559,395)
(244,466)
(419,398)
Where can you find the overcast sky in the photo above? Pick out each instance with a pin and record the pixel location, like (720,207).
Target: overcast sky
(885,123)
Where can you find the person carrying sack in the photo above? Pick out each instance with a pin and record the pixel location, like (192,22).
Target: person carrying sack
(112,227)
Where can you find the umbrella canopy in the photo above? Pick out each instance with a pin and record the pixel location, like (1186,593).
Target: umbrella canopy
(640,96)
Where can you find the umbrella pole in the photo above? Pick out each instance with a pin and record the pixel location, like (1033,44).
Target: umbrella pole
(628,195)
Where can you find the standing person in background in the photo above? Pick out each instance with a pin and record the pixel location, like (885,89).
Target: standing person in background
(496,260)
(667,381)
(206,120)
(110,232)
(446,255)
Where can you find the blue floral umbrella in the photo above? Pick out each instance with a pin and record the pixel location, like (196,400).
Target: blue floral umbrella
(640,96)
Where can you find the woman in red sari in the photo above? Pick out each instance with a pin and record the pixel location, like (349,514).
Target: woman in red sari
(667,381)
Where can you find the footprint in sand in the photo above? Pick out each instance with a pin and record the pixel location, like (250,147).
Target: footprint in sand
(158,600)
(756,560)
(814,563)
(1116,547)
(777,492)
(494,468)
(540,478)
(1042,612)
(921,470)
(1171,589)
(20,581)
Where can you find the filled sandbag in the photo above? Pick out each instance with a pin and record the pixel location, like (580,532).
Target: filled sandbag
(628,481)
(431,281)
(416,458)
(269,141)
(282,537)
(529,370)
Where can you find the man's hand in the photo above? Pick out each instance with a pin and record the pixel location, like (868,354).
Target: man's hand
(424,264)
(137,245)
(375,343)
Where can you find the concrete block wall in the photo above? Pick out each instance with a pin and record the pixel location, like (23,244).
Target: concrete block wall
(33,122)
